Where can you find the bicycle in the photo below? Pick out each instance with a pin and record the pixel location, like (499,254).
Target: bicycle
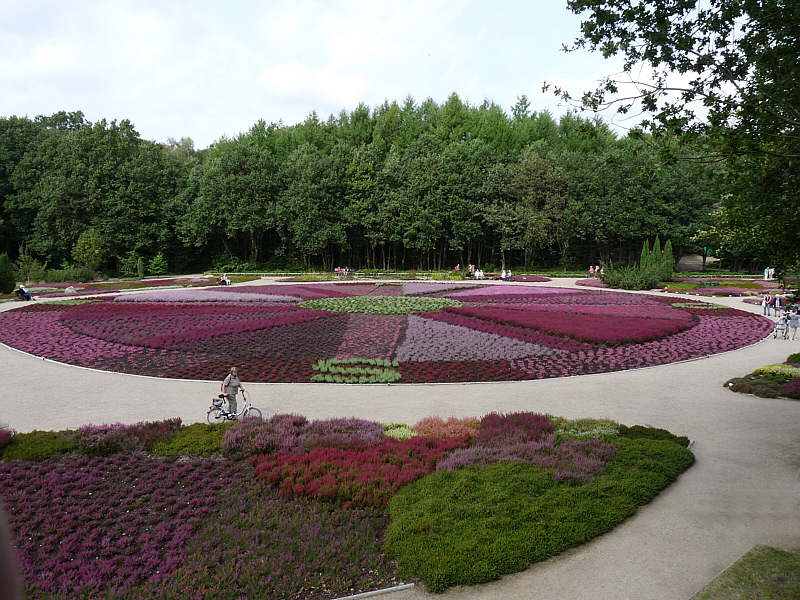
(217,414)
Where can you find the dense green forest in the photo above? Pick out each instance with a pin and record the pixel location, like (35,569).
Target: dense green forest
(402,186)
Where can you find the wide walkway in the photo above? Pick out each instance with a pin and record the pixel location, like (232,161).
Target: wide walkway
(742,491)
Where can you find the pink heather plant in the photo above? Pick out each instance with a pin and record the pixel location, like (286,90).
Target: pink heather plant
(433,340)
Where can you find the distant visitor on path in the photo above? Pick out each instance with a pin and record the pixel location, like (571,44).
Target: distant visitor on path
(23,293)
(230,387)
(794,323)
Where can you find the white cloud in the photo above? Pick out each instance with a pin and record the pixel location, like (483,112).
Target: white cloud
(204,69)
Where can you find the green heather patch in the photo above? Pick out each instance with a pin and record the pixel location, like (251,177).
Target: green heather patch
(356,370)
(763,572)
(473,525)
(380,305)
(702,305)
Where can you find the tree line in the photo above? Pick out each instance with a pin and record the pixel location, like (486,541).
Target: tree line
(400,186)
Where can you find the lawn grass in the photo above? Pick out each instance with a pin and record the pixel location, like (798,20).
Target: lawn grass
(761,574)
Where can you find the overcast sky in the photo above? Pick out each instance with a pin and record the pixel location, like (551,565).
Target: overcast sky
(205,69)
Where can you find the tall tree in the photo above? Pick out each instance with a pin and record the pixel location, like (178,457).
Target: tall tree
(722,80)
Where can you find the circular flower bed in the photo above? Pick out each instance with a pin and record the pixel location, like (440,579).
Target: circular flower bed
(418,332)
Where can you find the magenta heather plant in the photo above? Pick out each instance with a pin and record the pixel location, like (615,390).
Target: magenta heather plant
(499,428)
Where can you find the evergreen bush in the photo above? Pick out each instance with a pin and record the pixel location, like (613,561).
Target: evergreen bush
(655,265)
(7,281)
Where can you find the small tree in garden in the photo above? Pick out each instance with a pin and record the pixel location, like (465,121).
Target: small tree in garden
(88,250)
(27,268)
(129,264)
(654,266)
(7,282)
(157,265)
(140,267)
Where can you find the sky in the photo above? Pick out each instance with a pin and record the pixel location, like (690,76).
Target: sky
(207,69)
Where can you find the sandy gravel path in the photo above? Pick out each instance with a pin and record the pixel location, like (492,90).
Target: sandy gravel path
(742,491)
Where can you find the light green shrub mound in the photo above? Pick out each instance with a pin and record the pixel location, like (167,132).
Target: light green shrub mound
(475,524)
(585,429)
(380,305)
(399,431)
(777,373)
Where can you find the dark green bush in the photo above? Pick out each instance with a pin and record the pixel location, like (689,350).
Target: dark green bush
(794,359)
(753,385)
(40,445)
(475,524)
(193,440)
(7,281)
(654,266)
(69,274)
(639,432)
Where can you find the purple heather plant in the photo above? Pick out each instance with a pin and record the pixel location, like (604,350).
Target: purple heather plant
(88,526)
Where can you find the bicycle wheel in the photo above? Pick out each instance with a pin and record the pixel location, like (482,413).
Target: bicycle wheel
(214,416)
(253,412)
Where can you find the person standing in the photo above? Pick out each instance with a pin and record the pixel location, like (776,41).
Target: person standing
(794,323)
(765,303)
(230,387)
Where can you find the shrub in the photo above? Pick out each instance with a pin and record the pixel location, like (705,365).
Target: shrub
(7,281)
(5,437)
(752,385)
(198,439)
(474,525)
(654,266)
(104,440)
(791,388)
(584,429)
(502,429)
(293,434)
(639,432)
(41,445)
(27,268)
(341,433)
(777,373)
(794,358)
(398,431)
(367,476)
(157,265)
(454,428)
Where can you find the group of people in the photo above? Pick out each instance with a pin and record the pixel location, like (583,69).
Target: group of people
(596,271)
(342,271)
(224,280)
(772,302)
(476,273)
(789,320)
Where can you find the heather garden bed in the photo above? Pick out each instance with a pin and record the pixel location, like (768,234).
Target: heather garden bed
(287,508)
(419,332)
(771,381)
